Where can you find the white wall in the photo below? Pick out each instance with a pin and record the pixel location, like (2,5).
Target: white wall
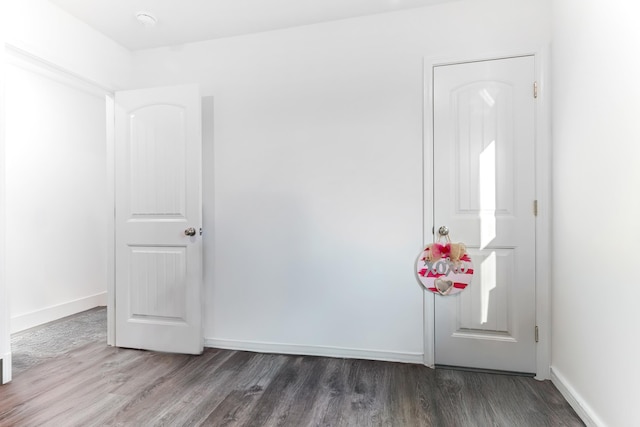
(56,158)
(317,171)
(56,204)
(42,29)
(595,348)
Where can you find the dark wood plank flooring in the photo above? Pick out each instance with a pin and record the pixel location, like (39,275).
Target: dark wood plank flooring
(97,385)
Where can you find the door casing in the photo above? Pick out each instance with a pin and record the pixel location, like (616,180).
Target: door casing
(5,318)
(543,196)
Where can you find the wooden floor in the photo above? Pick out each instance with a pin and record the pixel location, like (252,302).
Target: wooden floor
(96,385)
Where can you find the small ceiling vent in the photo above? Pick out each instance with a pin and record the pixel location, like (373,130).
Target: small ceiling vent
(147,19)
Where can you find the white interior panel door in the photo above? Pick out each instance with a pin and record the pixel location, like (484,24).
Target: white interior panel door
(484,191)
(158,218)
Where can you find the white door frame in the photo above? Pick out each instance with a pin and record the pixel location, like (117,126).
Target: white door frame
(5,317)
(543,195)
(111,219)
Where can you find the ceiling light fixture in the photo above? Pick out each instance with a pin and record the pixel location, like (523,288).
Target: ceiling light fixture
(147,19)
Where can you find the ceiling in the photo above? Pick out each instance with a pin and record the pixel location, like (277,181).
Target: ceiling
(184,21)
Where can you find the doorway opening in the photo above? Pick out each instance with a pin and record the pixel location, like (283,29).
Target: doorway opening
(56,197)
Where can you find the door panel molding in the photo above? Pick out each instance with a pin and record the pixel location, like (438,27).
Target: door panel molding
(542,195)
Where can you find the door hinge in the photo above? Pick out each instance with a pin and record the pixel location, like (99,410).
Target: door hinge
(535,89)
(536,334)
(535,208)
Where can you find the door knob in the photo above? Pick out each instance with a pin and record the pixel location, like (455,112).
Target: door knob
(443,230)
(190,231)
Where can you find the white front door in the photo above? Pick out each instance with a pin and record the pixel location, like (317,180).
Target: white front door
(158,279)
(484,191)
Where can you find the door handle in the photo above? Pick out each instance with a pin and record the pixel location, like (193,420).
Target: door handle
(190,231)
(443,231)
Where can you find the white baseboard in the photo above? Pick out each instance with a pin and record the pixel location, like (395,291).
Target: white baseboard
(55,312)
(582,408)
(314,350)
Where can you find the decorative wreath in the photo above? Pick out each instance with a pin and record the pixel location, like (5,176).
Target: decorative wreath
(445,268)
